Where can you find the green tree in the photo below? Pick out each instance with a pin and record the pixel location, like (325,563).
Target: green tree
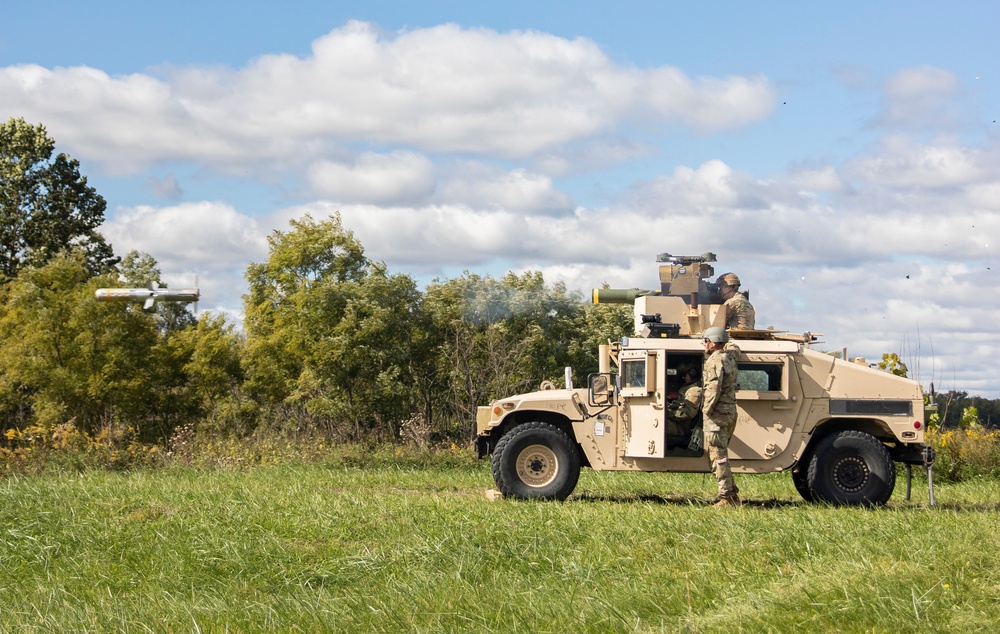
(503,336)
(208,378)
(953,406)
(293,297)
(46,205)
(330,333)
(65,357)
(138,268)
(362,365)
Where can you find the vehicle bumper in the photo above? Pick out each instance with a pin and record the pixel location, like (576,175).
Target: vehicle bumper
(914,454)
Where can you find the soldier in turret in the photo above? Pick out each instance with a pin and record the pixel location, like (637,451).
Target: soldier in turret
(740,313)
(719,408)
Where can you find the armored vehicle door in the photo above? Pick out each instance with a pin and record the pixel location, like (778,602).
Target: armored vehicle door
(768,397)
(642,403)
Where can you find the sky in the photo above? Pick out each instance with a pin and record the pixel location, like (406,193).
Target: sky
(842,158)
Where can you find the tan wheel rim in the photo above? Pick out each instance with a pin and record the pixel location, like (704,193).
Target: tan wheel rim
(537,465)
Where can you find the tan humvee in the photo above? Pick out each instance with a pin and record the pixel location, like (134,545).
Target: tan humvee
(838,426)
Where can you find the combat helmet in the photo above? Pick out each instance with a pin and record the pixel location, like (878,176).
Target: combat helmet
(716,334)
(728,279)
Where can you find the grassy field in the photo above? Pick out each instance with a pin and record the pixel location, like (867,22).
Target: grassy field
(332,548)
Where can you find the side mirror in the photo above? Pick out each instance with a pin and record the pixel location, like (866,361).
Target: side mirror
(600,389)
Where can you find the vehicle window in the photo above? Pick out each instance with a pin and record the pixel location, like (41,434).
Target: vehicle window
(634,373)
(762,377)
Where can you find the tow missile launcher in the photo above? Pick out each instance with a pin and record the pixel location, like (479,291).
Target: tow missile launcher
(682,276)
(838,426)
(687,300)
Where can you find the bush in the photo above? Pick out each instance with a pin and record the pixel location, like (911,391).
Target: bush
(38,448)
(965,453)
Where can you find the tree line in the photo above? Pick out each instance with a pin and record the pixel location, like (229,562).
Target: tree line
(332,341)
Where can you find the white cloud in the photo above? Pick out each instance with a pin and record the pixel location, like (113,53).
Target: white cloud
(708,103)
(439,89)
(410,180)
(376,178)
(426,238)
(593,154)
(922,98)
(984,195)
(204,233)
(480,186)
(706,208)
(710,185)
(941,163)
(810,181)
(209,241)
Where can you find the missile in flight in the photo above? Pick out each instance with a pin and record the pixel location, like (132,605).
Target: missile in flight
(149,296)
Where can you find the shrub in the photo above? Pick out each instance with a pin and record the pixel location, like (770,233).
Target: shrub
(38,448)
(965,453)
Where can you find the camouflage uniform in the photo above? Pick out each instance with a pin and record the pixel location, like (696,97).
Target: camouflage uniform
(683,409)
(739,312)
(719,413)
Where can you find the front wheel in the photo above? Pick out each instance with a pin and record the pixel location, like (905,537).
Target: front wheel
(800,478)
(851,468)
(536,460)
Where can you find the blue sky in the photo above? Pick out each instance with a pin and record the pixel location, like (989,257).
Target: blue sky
(844,158)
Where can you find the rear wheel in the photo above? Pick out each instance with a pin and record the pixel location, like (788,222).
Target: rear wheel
(536,460)
(851,468)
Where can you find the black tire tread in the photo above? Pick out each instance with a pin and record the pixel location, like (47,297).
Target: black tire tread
(881,460)
(800,478)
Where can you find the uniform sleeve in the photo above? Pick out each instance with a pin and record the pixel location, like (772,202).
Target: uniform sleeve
(693,402)
(688,407)
(744,315)
(710,385)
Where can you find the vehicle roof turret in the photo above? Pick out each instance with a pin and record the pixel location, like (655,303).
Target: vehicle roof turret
(686,303)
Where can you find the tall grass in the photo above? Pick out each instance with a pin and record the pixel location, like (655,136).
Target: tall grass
(418,547)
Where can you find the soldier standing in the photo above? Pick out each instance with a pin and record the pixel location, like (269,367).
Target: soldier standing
(719,408)
(739,311)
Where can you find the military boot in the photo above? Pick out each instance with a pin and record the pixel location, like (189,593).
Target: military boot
(729,500)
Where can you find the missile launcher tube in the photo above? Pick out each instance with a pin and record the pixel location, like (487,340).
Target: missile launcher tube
(620,295)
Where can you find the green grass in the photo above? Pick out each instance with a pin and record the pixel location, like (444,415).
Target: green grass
(334,548)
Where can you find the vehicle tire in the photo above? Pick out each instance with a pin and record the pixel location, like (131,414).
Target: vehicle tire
(536,460)
(851,468)
(800,478)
